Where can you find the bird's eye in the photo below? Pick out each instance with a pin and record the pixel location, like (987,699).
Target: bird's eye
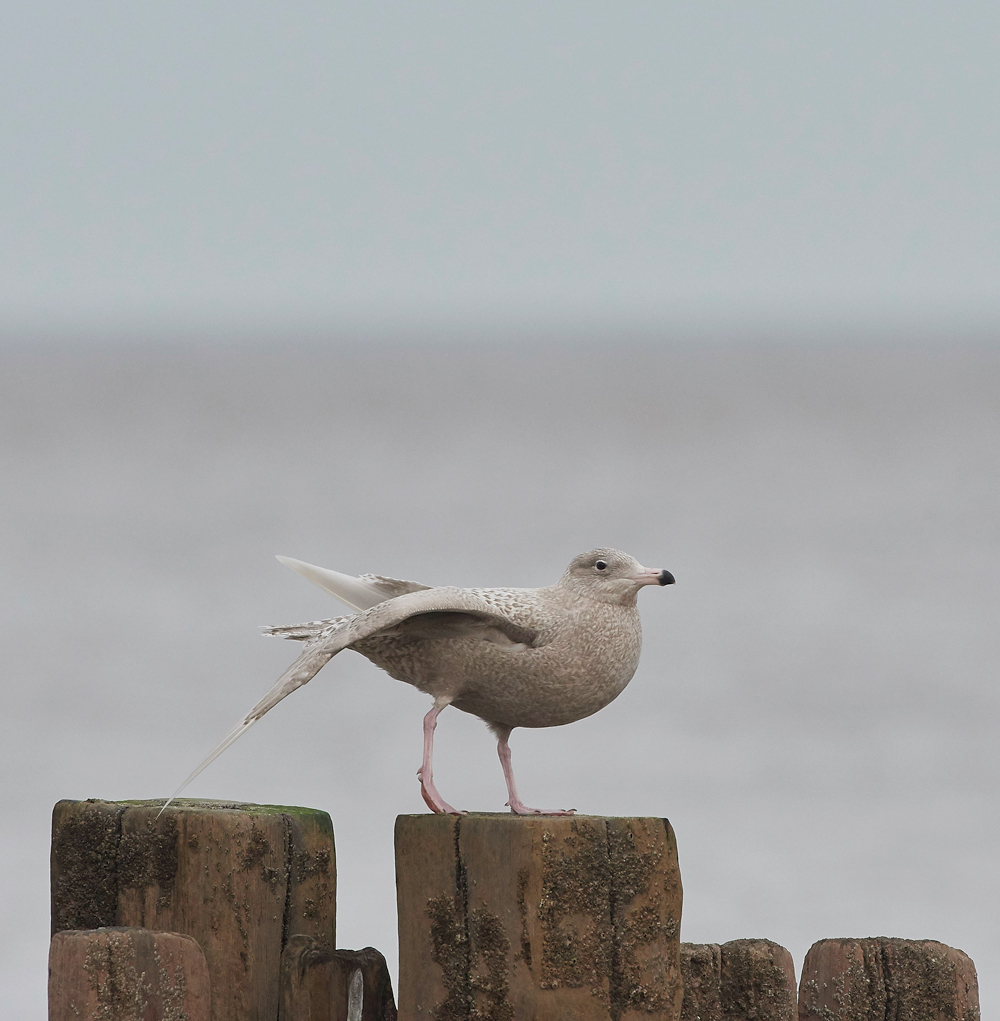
(601,565)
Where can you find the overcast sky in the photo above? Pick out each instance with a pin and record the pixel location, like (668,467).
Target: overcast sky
(317,163)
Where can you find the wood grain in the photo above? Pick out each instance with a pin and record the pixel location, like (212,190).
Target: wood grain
(321,984)
(507,917)
(238,878)
(127,974)
(907,980)
(743,980)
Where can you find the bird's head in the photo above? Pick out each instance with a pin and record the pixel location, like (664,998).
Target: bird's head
(611,576)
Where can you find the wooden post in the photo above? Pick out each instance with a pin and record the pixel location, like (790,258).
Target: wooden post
(321,984)
(758,981)
(238,878)
(124,974)
(743,980)
(507,917)
(701,970)
(913,980)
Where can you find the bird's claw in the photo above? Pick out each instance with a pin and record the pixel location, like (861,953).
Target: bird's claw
(517,808)
(433,800)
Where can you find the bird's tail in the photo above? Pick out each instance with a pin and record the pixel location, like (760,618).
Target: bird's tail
(312,658)
(241,728)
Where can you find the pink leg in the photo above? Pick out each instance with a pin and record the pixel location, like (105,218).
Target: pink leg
(428,791)
(516,805)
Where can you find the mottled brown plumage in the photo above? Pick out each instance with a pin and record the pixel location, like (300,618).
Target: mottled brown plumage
(513,657)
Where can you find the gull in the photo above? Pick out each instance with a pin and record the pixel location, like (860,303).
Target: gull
(514,657)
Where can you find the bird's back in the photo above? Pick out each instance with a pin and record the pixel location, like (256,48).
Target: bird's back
(585,655)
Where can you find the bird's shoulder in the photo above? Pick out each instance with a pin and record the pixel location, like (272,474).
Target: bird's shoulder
(540,608)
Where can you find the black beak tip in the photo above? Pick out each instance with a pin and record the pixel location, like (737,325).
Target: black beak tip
(665,578)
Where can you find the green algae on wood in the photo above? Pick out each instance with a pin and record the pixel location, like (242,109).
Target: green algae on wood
(241,879)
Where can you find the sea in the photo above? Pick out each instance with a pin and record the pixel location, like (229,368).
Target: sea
(816,708)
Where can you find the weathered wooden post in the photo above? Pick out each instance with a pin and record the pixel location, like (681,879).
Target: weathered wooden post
(123,974)
(507,917)
(743,980)
(322,984)
(240,879)
(912,980)
(701,972)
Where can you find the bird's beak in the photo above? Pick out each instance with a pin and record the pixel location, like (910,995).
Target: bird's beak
(654,576)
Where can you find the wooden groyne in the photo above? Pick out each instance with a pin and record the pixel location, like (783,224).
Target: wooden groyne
(122,972)
(503,916)
(922,980)
(237,878)
(219,911)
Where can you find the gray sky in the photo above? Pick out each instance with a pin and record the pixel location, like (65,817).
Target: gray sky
(315,164)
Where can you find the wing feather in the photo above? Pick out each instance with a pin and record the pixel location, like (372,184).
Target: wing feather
(428,613)
(358,593)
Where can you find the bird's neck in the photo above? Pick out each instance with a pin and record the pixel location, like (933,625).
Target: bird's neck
(583,593)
